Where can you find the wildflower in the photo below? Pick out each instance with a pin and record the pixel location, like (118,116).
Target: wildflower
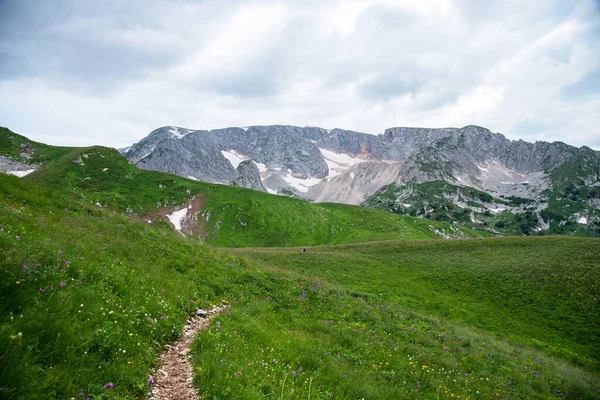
(228,313)
(218,325)
(109,385)
(18,237)
(419,384)
(151,381)
(68,263)
(300,369)
(147,318)
(18,282)
(293,373)
(42,290)
(162,318)
(62,284)
(345,377)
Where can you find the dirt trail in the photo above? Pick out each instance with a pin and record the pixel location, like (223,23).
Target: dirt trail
(173,379)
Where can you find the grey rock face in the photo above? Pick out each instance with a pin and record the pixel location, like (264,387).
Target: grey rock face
(9,165)
(248,176)
(291,159)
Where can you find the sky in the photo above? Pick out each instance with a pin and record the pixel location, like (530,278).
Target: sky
(84,72)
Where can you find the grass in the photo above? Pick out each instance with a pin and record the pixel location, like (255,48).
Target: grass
(89,295)
(231,217)
(411,319)
(540,292)
(21,149)
(84,292)
(105,324)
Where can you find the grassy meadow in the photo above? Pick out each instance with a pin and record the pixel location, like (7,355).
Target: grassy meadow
(89,295)
(231,217)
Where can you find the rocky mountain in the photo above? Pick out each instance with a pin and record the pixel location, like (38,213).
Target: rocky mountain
(248,176)
(468,175)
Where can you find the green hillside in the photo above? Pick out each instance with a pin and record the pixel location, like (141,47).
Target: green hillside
(84,290)
(230,216)
(569,198)
(90,292)
(26,151)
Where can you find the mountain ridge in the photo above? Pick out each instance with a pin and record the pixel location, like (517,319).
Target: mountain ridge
(350,167)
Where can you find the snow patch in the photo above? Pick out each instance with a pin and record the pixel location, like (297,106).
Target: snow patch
(483,169)
(234,157)
(191,177)
(301,185)
(176,134)
(261,167)
(177,218)
(583,220)
(148,153)
(271,191)
(20,174)
(245,128)
(338,162)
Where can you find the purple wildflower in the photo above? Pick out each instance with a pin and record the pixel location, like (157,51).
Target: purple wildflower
(151,381)
(42,290)
(147,318)
(300,369)
(419,384)
(68,263)
(218,325)
(345,377)
(293,373)
(109,385)
(162,318)
(18,237)
(228,313)
(62,284)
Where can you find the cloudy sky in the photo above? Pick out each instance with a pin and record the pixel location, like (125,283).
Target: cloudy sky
(82,72)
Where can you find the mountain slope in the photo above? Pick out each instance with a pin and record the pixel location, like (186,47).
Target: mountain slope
(223,215)
(21,156)
(351,167)
(89,297)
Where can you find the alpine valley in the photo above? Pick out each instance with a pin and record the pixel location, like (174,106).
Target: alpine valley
(108,269)
(469,176)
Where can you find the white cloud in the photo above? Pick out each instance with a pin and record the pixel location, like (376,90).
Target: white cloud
(86,74)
